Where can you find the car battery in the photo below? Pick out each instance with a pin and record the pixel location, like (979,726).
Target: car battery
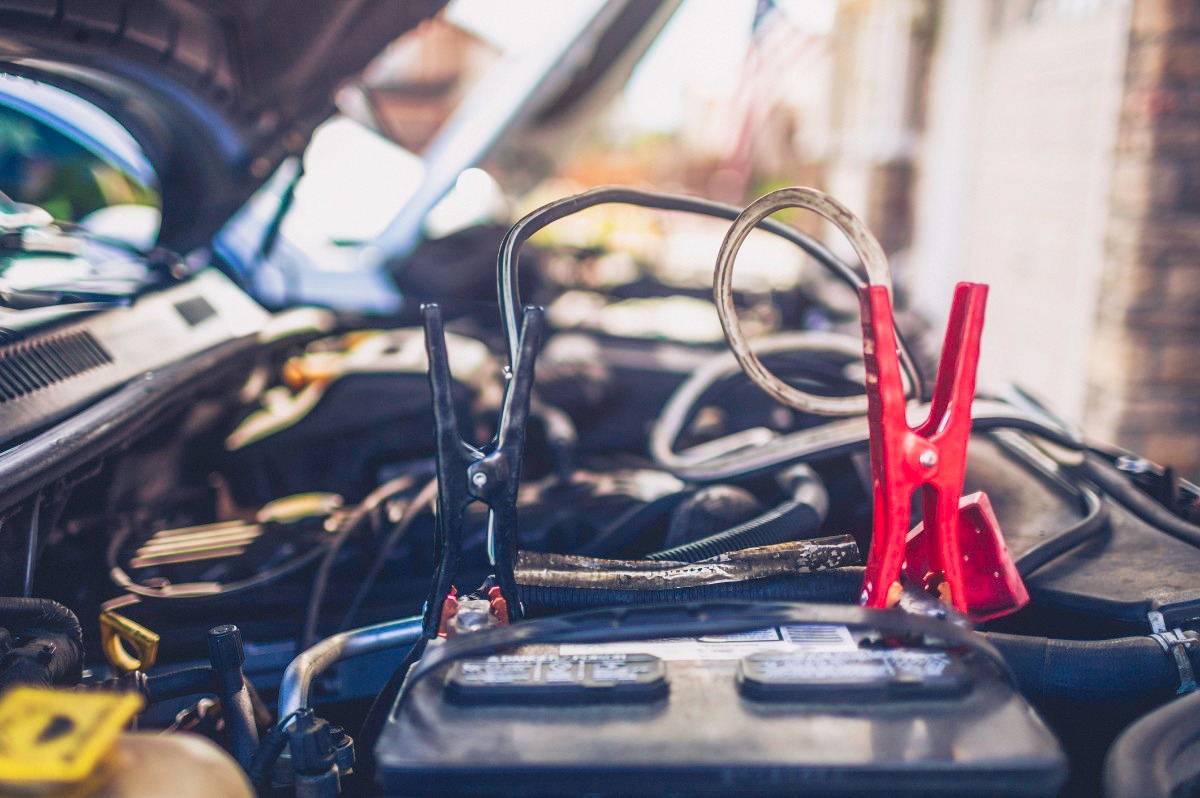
(811,708)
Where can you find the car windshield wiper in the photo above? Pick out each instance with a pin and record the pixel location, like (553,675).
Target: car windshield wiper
(67,295)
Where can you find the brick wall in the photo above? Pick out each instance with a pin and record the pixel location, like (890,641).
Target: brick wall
(1144,363)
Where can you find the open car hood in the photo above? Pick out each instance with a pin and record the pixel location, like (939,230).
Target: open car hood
(217,93)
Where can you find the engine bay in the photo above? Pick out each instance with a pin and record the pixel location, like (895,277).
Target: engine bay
(502,552)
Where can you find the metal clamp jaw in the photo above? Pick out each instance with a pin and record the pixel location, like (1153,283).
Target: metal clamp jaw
(489,474)
(958,553)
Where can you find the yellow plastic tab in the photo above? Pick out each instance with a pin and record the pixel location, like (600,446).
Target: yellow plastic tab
(117,632)
(52,738)
(299,506)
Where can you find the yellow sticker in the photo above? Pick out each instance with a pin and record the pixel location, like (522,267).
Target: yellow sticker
(59,736)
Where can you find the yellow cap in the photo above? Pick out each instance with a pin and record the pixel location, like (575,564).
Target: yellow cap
(56,738)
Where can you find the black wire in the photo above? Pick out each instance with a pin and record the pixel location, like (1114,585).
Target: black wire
(316,593)
(349,525)
(381,707)
(1095,510)
(1115,484)
(1092,524)
(531,223)
(415,507)
(269,751)
(1038,429)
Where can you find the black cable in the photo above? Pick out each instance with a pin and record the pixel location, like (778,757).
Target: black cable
(1054,435)
(348,525)
(268,752)
(381,707)
(519,233)
(1095,521)
(316,593)
(1095,510)
(418,504)
(1114,483)
(695,620)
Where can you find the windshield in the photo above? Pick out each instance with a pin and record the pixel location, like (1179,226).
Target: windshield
(68,157)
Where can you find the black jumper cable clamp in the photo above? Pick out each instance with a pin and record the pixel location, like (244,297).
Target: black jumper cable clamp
(489,474)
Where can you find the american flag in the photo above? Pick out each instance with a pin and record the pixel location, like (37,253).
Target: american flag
(777,53)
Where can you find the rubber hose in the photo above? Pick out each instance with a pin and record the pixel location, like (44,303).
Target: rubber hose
(711,510)
(241,725)
(836,586)
(266,755)
(53,651)
(797,518)
(1142,761)
(1090,670)
(1114,483)
(177,684)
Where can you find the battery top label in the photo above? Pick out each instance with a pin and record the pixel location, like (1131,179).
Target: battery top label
(557,679)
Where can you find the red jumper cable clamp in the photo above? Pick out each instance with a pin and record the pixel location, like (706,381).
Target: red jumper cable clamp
(958,553)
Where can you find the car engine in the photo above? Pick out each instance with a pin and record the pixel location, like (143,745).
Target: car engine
(467,552)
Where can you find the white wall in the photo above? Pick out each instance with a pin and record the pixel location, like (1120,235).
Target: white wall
(1013,180)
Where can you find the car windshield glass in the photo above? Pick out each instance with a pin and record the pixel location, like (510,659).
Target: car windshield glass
(68,157)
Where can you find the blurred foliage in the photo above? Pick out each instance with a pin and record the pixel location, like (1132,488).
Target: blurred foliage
(43,167)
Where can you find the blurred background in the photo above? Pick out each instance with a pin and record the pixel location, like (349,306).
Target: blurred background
(1050,148)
